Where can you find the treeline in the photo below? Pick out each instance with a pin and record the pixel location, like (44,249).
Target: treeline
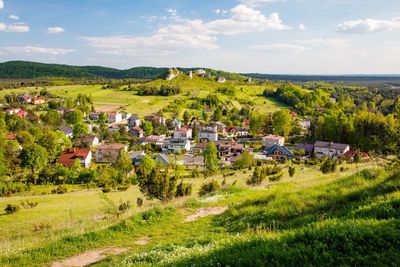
(163,90)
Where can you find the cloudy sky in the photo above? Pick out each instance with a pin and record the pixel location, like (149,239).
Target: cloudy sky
(267,36)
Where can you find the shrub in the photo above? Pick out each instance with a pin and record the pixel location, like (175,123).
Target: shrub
(183,189)
(59,190)
(28,204)
(11,208)
(106,189)
(292,171)
(209,188)
(115,210)
(38,227)
(139,202)
(123,187)
(275,177)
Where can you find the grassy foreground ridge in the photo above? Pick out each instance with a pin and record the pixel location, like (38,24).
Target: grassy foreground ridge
(328,220)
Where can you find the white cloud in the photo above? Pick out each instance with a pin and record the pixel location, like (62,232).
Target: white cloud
(188,34)
(35,50)
(1,4)
(368,25)
(303,45)
(220,11)
(55,30)
(14,27)
(280,48)
(172,11)
(302,27)
(14,17)
(255,3)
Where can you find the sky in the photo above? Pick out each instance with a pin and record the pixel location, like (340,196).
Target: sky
(264,36)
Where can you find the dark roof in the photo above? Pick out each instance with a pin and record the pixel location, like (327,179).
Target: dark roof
(284,150)
(330,145)
(66,129)
(305,147)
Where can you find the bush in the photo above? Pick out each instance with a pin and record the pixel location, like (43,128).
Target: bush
(275,177)
(139,202)
(292,171)
(11,208)
(38,227)
(106,189)
(28,205)
(123,187)
(59,190)
(209,188)
(183,189)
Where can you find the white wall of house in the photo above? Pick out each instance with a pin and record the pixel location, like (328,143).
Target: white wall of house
(212,137)
(86,162)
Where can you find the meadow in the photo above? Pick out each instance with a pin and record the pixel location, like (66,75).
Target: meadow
(255,213)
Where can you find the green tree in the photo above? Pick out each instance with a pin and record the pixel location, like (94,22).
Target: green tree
(34,157)
(74,117)
(292,171)
(211,162)
(282,122)
(80,129)
(52,118)
(147,127)
(186,117)
(123,162)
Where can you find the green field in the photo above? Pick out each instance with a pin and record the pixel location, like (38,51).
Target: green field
(81,211)
(112,100)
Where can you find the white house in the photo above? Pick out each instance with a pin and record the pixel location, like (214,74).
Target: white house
(68,157)
(183,133)
(134,121)
(330,149)
(271,140)
(114,128)
(114,117)
(108,153)
(176,146)
(221,79)
(207,135)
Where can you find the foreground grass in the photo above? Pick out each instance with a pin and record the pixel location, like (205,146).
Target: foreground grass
(307,220)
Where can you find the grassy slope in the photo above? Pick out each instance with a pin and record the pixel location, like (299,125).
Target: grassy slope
(259,224)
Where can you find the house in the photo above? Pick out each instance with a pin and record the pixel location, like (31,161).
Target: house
(38,100)
(114,117)
(89,140)
(126,116)
(134,121)
(220,126)
(68,157)
(199,148)
(137,156)
(136,131)
(113,128)
(278,152)
(229,149)
(211,127)
(200,72)
(25,99)
(230,131)
(246,123)
(330,149)
(177,145)
(207,135)
(94,116)
(176,124)
(183,133)
(22,114)
(10,136)
(12,111)
(242,132)
(155,118)
(156,140)
(351,153)
(308,148)
(161,159)
(221,79)
(305,125)
(193,162)
(108,153)
(271,140)
(66,130)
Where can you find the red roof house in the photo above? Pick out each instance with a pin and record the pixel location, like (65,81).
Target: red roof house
(69,156)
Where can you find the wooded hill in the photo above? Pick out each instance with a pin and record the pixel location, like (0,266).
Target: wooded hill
(32,70)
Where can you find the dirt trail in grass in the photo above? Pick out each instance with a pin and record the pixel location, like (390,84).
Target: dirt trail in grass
(204,212)
(89,257)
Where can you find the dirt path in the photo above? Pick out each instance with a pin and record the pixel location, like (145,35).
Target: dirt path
(89,257)
(204,212)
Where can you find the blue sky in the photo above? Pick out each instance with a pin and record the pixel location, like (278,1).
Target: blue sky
(268,36)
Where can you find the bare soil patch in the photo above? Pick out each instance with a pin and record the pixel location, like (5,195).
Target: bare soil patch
(204,212)
(143,241)
(89,257)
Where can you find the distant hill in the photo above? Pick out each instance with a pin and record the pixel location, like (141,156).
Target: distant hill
(327,78)
(32,70)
